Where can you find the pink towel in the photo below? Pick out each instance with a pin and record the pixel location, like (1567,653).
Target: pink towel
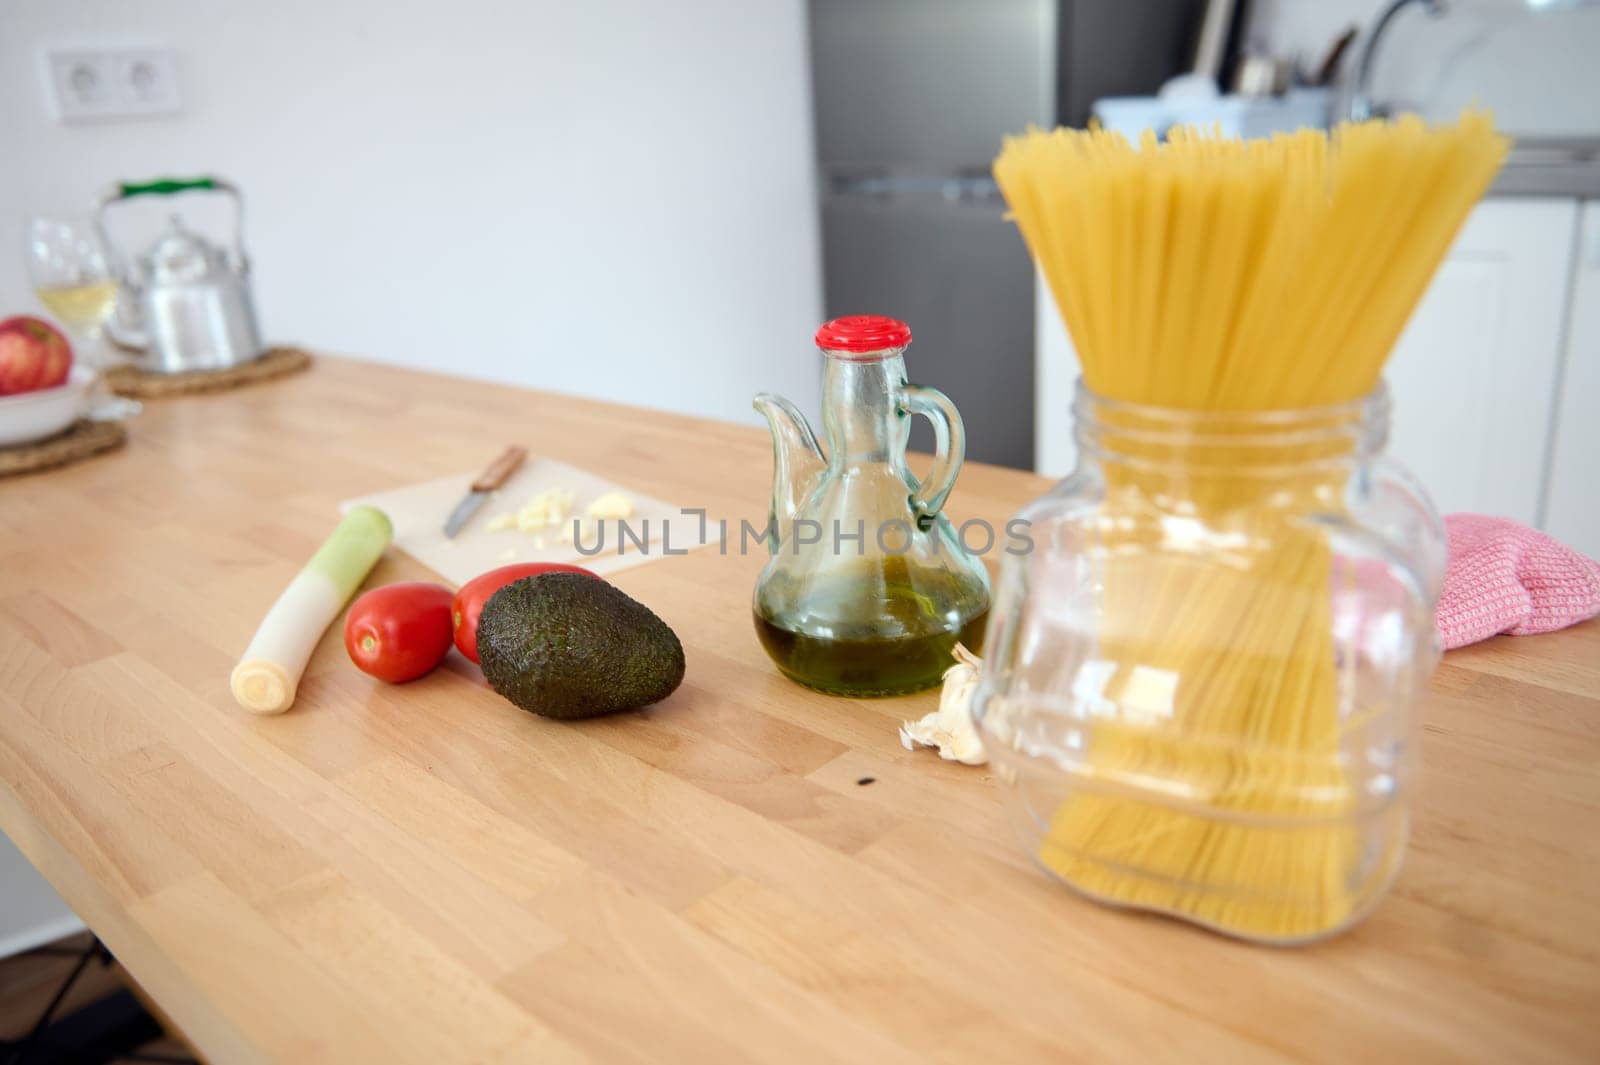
(1506,577)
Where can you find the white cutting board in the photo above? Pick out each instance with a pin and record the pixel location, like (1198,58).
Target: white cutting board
(418,513)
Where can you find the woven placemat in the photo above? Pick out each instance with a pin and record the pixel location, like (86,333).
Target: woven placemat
(80,440)
(142,384)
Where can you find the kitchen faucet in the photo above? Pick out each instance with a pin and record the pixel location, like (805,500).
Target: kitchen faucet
(1358,103)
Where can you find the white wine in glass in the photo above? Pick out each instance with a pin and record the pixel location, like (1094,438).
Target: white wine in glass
(72,276)
(81,308)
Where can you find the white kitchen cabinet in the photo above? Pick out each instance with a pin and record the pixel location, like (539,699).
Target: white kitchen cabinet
(1572,508)
(1474,376)
(1055,370)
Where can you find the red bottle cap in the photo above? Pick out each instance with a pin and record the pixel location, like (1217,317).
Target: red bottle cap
(861,333)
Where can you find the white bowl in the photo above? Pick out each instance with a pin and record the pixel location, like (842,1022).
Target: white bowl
(30,416)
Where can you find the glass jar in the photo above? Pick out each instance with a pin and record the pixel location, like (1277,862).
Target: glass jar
(1198,682)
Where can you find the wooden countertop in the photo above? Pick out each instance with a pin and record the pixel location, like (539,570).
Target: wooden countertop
(427,873)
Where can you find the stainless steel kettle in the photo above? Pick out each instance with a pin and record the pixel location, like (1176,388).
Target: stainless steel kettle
(185,304)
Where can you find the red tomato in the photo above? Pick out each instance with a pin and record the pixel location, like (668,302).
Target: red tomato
(468,603)
(400,631)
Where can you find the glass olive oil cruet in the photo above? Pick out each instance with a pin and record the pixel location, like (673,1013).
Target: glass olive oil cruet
(868,587)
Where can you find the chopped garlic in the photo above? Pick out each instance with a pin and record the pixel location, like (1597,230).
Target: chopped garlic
(545,510)
(551,511)
(611,505)
(951,728)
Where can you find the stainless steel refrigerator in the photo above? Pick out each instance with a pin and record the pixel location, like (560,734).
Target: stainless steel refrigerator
(911,100)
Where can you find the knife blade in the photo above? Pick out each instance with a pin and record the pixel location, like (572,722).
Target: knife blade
(493,476)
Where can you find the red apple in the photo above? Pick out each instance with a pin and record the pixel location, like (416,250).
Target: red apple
(33,355)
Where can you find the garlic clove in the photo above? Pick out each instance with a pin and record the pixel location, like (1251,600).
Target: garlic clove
(951,728)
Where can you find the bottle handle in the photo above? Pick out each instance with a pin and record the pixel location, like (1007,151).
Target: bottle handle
(950,448)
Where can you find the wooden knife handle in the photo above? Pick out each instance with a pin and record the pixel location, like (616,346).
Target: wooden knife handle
(501,468)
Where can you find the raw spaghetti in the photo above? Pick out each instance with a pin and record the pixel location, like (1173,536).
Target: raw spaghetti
(1230,278)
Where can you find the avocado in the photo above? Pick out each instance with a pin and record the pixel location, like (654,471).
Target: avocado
(569,646)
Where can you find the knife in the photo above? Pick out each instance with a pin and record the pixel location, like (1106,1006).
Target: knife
(490,479)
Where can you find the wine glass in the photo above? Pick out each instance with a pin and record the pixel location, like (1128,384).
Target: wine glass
(73,277)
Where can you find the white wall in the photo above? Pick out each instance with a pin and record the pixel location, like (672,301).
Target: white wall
(1538,71)
(31,913)
(605,197)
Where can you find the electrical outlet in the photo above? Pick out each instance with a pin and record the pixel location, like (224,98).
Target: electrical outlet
(96,84)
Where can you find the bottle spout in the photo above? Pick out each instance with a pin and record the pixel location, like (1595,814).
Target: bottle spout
(797,460)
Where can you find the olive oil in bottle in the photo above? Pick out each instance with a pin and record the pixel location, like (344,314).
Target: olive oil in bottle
(868,634)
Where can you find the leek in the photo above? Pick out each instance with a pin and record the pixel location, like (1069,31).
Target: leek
(265,679)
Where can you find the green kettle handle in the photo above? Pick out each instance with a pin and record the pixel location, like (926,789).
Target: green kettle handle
(950,448)
(127,190)
(168,186)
